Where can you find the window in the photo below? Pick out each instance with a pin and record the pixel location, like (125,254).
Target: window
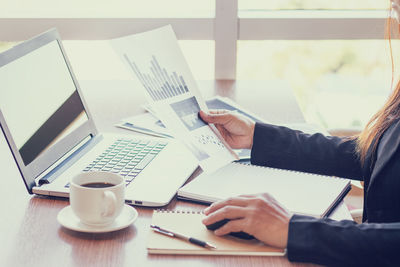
(85,54)
(107,9)
(235,39)
(312,4)
(349,75)
(324,50)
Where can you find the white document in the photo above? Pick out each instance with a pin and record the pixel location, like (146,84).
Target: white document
(145,123)
(155,58)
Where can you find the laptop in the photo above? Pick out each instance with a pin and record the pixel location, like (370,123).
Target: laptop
(52,135)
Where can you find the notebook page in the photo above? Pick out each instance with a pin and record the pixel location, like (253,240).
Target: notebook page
(301,193)
(189,223)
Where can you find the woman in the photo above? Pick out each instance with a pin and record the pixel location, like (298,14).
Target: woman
(373,157)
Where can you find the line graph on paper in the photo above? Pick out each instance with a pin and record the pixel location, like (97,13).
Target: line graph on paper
(159,82)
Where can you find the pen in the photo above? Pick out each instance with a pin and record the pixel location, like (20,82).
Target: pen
(183,237)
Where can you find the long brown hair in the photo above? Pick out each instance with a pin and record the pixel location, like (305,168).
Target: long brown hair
(381,121)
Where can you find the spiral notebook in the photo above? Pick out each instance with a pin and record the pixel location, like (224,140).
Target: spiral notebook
(300,192)
(189,223)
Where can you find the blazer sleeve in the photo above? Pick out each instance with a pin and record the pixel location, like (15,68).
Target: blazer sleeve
(343,243)
(282,147)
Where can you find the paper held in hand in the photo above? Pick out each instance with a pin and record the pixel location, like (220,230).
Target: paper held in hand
(156,60)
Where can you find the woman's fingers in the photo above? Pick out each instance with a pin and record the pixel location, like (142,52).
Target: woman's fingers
(234,201)
(218,111)
(249,196)
(235,225)
(227,212)
(222,130)
(216,117)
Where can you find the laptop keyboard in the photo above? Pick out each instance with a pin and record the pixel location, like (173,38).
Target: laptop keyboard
(126,157)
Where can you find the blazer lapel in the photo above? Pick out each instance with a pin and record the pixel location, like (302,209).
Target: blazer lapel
(388,147)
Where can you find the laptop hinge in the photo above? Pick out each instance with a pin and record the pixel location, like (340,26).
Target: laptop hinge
(68,159)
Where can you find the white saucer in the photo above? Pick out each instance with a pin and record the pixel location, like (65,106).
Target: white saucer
(68,219)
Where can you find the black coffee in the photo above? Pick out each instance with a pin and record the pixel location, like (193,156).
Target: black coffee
(98,185)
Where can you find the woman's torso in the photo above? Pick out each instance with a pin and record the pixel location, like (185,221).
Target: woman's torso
(382,178)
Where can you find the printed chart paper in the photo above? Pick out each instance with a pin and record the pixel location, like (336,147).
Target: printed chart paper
(155,58)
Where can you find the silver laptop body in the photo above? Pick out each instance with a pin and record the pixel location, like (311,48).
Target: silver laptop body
(52,135)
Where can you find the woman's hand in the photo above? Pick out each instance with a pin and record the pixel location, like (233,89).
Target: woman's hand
(258,215)
(236,129)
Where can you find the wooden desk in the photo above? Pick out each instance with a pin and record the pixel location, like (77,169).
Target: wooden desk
(30,234)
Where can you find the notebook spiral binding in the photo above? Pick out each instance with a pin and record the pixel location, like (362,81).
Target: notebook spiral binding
(179,211)
(286,170)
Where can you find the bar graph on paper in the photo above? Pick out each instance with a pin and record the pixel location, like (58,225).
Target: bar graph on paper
(159,83)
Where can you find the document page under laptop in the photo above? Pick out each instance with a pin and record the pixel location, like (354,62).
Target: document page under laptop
(156,59)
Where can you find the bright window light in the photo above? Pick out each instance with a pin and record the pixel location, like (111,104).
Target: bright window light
(96,60)
(258,5)
(107,9)
(338,83)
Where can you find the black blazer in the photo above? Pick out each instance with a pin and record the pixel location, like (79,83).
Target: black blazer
(376,242)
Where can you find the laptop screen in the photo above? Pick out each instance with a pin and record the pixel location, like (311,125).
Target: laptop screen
(39,100)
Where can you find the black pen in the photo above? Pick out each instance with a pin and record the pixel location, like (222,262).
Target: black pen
(183,237)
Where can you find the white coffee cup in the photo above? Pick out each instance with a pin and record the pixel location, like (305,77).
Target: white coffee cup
(97,198)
